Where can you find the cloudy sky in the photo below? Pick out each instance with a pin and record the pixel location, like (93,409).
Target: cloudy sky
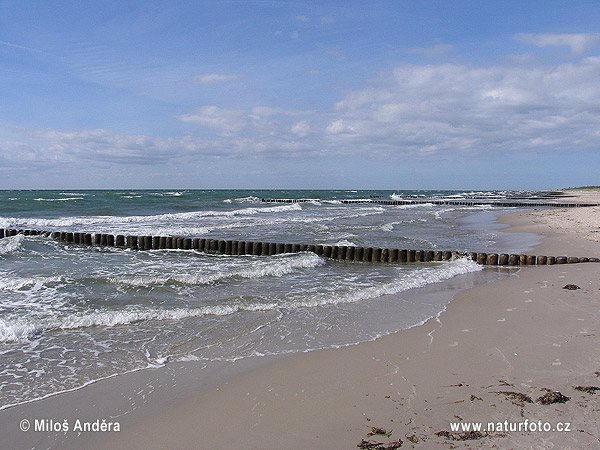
(299,94)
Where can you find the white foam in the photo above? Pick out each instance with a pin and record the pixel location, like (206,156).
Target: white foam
(413,280)
(414,205)
(10,283)
(19,330)
(11,244)
(16,330)
(66,199)
(276,266)
(250,198)
(86,221)
(345,242)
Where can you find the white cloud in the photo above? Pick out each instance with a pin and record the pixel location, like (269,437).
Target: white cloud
(577,42)
(457,108)
(339,126)
(416,110)
(226,119)
(213,78)
(267,111)
(64,150)
(436,50)
(301,129)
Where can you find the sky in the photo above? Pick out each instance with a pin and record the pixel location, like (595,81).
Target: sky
(266,94)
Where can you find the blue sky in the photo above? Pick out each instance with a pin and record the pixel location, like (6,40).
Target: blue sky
(278,94)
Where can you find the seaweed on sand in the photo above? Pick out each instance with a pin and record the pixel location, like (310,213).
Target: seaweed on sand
(466,436)
(370,445)
(587,389)
(516,396)
(551,397)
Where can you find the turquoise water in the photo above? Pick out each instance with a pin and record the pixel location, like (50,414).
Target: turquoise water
(71,314)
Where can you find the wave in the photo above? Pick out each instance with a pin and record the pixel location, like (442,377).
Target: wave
(162,194)
(65,199)
(16,331)
(276,266)
(426,276)
(389,227)
(250,198)
(14,284)
(438,213)
(345,242)
(20,329)
(82,221)
(11,244)
(413,205)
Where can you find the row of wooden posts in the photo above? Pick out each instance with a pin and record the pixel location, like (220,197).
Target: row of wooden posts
(339,252)
(439,202)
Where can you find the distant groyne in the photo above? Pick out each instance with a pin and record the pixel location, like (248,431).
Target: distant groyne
(259,248)
(505,204)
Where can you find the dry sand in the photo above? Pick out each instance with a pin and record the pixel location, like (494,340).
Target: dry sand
(494,348)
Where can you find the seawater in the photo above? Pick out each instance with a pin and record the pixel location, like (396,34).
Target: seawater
(71,314)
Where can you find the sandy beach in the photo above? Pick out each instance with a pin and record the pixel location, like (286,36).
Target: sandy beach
(500,353)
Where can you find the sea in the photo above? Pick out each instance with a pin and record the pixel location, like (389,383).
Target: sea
(71,315)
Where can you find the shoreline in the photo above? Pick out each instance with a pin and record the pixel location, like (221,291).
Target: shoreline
(297,401)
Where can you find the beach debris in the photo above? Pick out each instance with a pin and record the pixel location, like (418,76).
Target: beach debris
(412,438)
(370,445)
(471,435)
(505,383)
(551,397)
(466,436)
(474,397)
(587,389)
(571,287)
(376,431)
(516,396)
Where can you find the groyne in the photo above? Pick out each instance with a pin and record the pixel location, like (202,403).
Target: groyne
(259,248)
(506,204)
